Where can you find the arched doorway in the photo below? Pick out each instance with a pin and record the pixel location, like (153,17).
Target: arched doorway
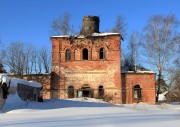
(71,92)
(101,92)
(137,97)
(86,91)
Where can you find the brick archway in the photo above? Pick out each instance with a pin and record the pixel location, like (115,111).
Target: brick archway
(137,93)
(85,54)
(87,91)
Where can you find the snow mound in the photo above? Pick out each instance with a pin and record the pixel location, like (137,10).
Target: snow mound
(86,99)
(15,81)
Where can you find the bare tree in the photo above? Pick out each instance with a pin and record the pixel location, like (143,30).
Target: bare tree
(39,64)
(175,76)
(23,59)
(31,58)
(16,58)
(120,26)
(130,58)
(133,47)
(160,43)
(61,25)
(175,82)
(34,59)
(45,58)
(26,63)
(2,52)
(126,60)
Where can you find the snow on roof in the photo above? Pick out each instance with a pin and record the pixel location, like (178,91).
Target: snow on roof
(104,34)
(4,78)
(82,36)
(35,84)
(62,36)
(139,69)
(15,81)
(138,72)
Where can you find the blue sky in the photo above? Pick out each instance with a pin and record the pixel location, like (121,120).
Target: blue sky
(30,20)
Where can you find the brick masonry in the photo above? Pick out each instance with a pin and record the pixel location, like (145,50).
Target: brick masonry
(94,71)
(145,80)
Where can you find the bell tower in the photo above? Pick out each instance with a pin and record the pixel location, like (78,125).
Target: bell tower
(90,25)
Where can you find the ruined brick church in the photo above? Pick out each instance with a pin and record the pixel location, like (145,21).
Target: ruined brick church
(89,65)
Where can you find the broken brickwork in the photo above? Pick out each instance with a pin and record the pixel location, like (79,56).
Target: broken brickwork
(92,71)
(89,65)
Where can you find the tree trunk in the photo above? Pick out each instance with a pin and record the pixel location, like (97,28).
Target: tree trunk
(158,85)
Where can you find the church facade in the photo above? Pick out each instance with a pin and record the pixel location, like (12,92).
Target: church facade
(89,65)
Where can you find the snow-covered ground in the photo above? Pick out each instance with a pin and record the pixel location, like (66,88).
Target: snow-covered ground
(83,112)
(86,112)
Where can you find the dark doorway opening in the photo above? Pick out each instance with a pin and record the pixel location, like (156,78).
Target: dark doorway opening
(70,92)
(87,91)
(102,53)
(100,92)
(85,54)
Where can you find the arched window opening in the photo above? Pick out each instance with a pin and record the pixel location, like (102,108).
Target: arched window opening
(68,55)
(137,93)
(85,54)
(87,91)
(101,92)
(70,92)
(102,53)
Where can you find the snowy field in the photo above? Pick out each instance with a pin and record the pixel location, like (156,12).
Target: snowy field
(86,113)
(83,112)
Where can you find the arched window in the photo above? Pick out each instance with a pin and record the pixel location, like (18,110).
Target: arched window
(137,92)
(100,92)
(102,53)
(70,92)
(68,55)
(85,54)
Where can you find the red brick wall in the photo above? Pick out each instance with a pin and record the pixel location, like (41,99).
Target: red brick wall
(94,72)
(146,82)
